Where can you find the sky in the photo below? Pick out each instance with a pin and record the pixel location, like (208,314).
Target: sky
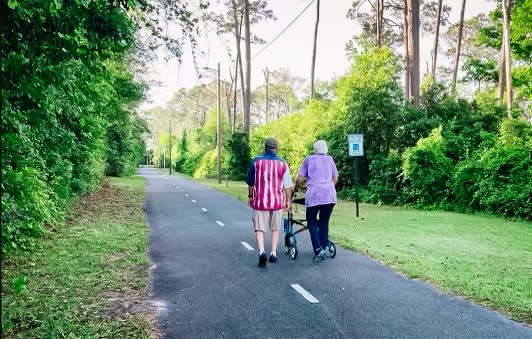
(291,50)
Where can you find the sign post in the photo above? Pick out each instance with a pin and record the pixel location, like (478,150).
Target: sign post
(356,149)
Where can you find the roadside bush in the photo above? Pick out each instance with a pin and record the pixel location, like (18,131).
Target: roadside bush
(238,159)
(465,185)
(505,186)
(25,209)
(206,167)
(385,183)
(426,172)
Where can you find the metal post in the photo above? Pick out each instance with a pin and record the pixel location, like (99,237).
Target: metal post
(218,130)
(356,185)
(170,145)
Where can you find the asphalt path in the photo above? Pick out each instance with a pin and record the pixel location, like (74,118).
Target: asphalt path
(206,283)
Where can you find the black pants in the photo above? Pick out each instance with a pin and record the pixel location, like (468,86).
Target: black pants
(318,225)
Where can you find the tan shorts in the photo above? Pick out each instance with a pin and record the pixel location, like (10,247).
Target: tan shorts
(264,220)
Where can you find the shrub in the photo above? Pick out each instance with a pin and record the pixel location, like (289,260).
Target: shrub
(426,172)
(385,184)
(238,157)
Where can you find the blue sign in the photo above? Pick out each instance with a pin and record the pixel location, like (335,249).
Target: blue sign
(356,145)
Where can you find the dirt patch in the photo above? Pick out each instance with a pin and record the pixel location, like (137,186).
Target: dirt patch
(121,304)
(116,257)
(110,202)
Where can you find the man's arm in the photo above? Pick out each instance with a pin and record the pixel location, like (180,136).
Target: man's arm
(287,198)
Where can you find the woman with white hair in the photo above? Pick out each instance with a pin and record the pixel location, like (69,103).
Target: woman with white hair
(319,169)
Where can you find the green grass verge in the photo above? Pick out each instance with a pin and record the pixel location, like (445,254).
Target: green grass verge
(485,259)
(88,278)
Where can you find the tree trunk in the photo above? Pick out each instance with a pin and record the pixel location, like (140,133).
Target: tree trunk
(234,93)
(407,63)
(314,50)
(238,34)
(267,81)
(228,91)
(436,38)
(247,103)
(458,46)
(413,49)
(502,73)
(379,21)
(506,13)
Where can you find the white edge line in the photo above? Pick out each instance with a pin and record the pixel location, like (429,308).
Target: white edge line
(219,222)
(246,245)
(310,298)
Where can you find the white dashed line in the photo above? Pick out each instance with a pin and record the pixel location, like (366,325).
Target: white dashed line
(186,194)
(180,190)
(219,222)
(194,201)
(204,209)
(304,293)
(246,245)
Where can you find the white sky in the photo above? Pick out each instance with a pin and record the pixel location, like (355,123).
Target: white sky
(292,50)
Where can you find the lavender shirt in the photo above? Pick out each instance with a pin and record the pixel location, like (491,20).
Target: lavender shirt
(319,169)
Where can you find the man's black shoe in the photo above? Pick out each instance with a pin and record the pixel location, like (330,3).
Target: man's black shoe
(273,258)
(262,259)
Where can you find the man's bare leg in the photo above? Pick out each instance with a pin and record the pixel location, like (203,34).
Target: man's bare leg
(260,240)
(275,241)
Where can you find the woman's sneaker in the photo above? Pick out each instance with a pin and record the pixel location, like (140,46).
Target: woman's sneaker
(319,257)
(331,249)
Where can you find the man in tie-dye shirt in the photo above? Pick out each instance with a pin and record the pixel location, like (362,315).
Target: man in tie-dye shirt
(269,191)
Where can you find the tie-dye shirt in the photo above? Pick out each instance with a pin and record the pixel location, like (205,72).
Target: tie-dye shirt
(268,174)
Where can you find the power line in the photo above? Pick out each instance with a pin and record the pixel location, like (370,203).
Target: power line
(290,24)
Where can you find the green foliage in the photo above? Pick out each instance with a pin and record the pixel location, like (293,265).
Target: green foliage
(239,156)
(206,166)
(480,70)
(26,206)
(64,92)
(499,179)
(426,172)
(296,133)
(385,184)
(521,27)
(369,102)
(19,284)
(182,153)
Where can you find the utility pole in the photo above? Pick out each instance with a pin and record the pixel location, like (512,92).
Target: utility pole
(218,128)
(170,145)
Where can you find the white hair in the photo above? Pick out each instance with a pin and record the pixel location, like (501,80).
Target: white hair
(320,147)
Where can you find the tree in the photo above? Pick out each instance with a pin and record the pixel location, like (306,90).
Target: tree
(506,13)
(458,44)
(413,49)
(314,50)
(436,38)
(247,98)
(266,84)
(379,22)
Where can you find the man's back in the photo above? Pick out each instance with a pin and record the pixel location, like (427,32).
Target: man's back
(266,176)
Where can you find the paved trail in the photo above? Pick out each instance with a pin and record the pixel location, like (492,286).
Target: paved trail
(206,282)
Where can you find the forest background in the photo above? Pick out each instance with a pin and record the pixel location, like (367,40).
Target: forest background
(70,105)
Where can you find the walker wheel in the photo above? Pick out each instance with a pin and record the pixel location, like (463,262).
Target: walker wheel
(293,253)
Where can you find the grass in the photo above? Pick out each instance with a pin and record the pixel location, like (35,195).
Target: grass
(482,258)
(89,277)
